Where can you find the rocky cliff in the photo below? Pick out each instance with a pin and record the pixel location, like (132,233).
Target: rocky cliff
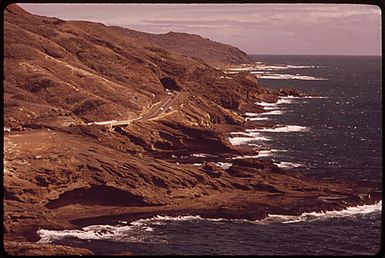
(62,170)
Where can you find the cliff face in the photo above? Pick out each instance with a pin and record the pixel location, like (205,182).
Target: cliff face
(61,172)
(212,52)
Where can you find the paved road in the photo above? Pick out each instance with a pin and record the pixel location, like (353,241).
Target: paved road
(155,111)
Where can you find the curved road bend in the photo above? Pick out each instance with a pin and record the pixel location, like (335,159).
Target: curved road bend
(153,112)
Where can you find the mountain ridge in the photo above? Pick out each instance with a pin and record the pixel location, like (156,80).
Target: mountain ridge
(193,45)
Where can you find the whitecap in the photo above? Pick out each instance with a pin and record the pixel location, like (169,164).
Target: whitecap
(284,101)
(128,234)
(270,108)
(252,114)
(267,104)
(246,157)
(88,233)
(273,112)
(200,155)
(244,140)
(279,76)
(313,216)
(281,100)
(256,118)
(277,218)
(283,129)
(288,165)
(303,97)
(261,153)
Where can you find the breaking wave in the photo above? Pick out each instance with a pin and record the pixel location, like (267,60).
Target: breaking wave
(279,76)
(303,97)
(261,153)
(314,216)
(264,71)
(274,112)
(263,67)
(256,118)
(282,129)
(142,230)
(252,114)
(270,108)
(243,140)
(288,165)
(100,232)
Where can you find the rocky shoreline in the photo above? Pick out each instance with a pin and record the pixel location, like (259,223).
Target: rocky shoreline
(249,189)
(63,171)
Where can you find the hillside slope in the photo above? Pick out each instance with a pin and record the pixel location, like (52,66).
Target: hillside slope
(212,52)
(61,171)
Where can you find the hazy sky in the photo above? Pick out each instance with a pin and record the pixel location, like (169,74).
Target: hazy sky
(254,28)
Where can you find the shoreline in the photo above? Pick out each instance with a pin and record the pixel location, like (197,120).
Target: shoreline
(242,203)
(163,141)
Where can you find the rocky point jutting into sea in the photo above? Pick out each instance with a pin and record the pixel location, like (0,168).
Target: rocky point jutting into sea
(105,123)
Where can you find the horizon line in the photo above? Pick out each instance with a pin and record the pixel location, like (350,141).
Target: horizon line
(291,54)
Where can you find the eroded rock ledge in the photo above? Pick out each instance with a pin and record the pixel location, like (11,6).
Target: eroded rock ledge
(61,172)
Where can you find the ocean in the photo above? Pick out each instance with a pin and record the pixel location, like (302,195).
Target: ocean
(335,131)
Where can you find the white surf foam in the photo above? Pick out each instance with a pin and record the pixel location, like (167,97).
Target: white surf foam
(288,165)
(240,133)
(265,153)
(280,76)
(274,112)
(126,233)
(281,100)
(270,108)
(275,218)
(256,118)
(283,129)
(264,67)
(245,140)
(224,165)
(246,157)
(302,97)
(261,153)
(230,72)
(200,155)
(252,114)
(267,104)
(284,101)
(313,216)
(88,233)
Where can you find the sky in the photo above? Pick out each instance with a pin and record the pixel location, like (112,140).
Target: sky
(314,29)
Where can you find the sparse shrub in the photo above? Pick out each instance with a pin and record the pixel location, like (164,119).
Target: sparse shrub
(86,105)
(20,51)
(36,84)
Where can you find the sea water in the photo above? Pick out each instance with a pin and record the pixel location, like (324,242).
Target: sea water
(333,132)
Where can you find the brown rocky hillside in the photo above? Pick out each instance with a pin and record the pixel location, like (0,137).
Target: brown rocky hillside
(62,171)
(212,52)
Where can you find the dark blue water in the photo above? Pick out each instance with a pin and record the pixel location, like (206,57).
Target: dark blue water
(343,140)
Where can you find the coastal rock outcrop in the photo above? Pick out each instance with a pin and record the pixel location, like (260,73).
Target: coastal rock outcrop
(96,137)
